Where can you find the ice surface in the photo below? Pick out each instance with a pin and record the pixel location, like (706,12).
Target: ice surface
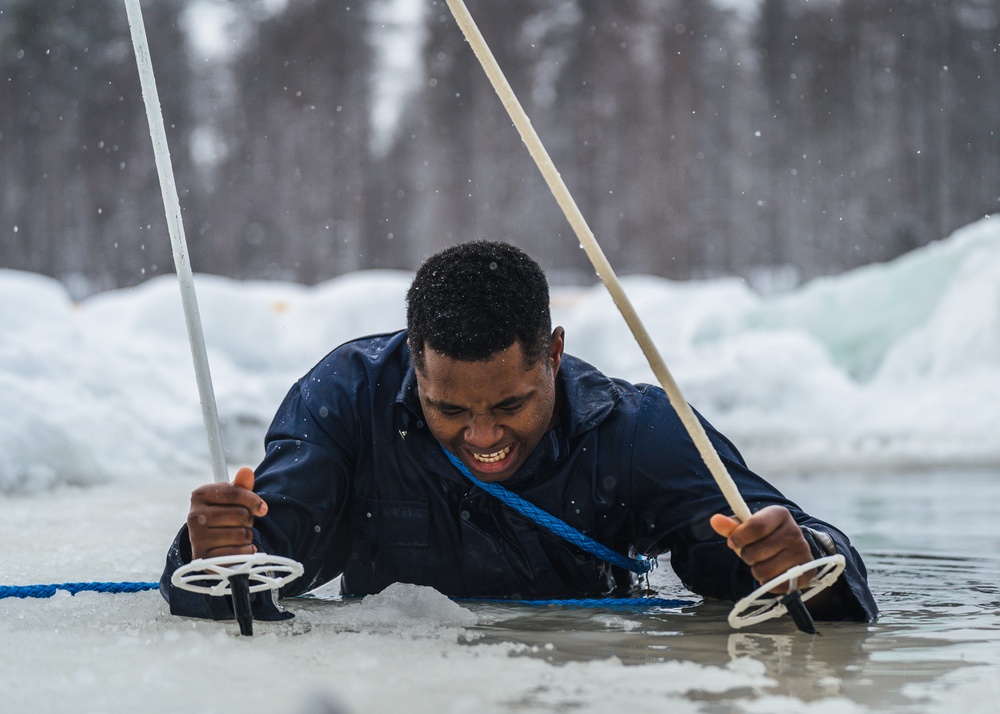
(405,649)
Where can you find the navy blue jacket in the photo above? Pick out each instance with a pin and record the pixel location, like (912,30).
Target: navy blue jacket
(357,486)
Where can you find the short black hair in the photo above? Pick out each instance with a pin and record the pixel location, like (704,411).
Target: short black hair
(472,300)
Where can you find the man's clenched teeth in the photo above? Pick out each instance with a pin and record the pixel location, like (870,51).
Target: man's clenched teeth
(492,458)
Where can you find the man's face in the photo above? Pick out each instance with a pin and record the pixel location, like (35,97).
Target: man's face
(490,414)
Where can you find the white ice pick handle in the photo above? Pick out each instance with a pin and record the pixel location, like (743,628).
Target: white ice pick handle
(211,575)
(762,604)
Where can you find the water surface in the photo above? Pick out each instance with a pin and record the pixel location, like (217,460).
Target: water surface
(932,546)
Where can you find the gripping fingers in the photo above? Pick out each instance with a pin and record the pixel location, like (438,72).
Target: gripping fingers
(226,537)
(225,494)
(770,542)
(222,515)
(222,540)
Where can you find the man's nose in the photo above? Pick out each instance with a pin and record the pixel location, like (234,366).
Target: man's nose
(483,431)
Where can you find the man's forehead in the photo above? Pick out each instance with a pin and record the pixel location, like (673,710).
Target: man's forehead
(506,374)
(514,357)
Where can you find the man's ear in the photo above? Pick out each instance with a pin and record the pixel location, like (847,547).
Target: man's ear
(556,349)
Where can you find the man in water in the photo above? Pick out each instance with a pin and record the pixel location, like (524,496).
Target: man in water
(356,481)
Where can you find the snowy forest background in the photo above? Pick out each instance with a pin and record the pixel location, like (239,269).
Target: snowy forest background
(776,140)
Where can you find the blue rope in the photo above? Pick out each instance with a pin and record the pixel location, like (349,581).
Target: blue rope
(609,603)
(638,603)
(26,591)
(640,565)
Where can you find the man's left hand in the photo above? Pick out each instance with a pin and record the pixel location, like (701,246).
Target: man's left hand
(770,542)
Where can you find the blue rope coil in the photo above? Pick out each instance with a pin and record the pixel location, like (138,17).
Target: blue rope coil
(41,591)
(640,565)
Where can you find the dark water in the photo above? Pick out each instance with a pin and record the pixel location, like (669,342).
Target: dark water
(932,545)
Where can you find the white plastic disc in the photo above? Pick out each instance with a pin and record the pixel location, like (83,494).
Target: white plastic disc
(211,575)
(762,604)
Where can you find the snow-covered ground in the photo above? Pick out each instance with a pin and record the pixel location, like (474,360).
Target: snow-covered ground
(891,365)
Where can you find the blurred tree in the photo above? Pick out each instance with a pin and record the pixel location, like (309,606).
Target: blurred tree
(294,186)
(459,170)
(699,138)
(79,183)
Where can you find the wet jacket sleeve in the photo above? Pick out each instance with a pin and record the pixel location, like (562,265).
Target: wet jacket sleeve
(679,495)
(304,478)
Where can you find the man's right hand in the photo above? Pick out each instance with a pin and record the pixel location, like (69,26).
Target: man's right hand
(221,517)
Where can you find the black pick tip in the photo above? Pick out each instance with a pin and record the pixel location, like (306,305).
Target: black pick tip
(800,614)
(239,586)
